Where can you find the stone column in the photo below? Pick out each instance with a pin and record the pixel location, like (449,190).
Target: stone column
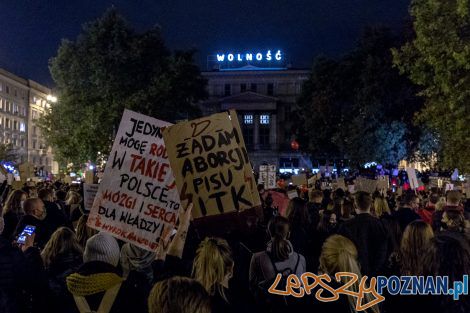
(273,132)
(256,132)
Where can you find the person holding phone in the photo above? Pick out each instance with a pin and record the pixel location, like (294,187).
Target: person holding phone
(23,282)
(35,214)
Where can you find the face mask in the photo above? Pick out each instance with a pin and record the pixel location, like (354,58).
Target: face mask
(2,225)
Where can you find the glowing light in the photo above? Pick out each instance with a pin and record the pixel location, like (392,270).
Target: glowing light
(259,56)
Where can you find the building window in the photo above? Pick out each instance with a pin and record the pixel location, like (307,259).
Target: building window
(227,90)
(242,87)
(34,99)
(1,104)
(7,123)
(264,119)
(248,119)
(16,93)
(248,137)
(34,144)
(34,114)
(264,137)
(254,87)
(7,89)
(15,125)
(15,108)
(1,87)
(22,143)
(270,89)
(35,130)
(14,141)
(22,127)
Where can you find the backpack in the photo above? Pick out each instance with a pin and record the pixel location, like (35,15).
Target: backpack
(272,302)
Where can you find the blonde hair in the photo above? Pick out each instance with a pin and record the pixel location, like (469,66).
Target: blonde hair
(381,206)
(416,237)
(213,261)
(339,254)
(83,231)
(441,204)
(179,295)
(73,197)
(62,241)
(13,203)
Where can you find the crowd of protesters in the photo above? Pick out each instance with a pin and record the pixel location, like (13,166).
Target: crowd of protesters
(65,266)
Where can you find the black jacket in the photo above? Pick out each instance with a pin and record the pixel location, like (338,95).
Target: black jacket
(23,283)
(405,216)
(371,240)
(55,216)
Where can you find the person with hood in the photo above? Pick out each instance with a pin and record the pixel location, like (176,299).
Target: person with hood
(97,284)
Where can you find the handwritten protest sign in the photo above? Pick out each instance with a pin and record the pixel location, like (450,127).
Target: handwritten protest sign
(89,193)
(26,171)
(137,200)
(383,182)
(211,166)
(267,176)
(365,184)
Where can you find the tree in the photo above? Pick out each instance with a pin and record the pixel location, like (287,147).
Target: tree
(7,153)
(108,68)
(438,59)
(358,107)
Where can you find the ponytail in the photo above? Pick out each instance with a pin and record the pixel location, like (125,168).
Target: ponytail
(213,261)
(279,230)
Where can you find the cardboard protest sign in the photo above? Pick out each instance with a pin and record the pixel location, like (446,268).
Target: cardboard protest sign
(89,193)
(26,171)
(449,186)
(211,165)
(292,194)
(414,184)
(67,179)
(365,184)
(89,177)
(299,179)
(311,181)
(137,200)
(383,182)
(339,184)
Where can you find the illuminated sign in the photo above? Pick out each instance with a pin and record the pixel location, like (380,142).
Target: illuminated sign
(250,56)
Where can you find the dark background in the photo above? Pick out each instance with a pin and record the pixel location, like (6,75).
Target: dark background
(31,30)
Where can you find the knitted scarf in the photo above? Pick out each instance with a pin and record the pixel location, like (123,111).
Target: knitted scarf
(81,285)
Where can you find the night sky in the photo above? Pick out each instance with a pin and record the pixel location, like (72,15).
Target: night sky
(31,30)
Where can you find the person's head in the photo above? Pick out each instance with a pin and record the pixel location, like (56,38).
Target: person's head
(179,295)
(453,220)
(448,255)
(35,207)
(83,231)
(433,199)
(278,229)
(410,200)
(45,194)
(363,202)
(136,259)
(297,213)
(327,221)
(213,265)
(32,191)
(453,198)
(62,241)
(339,254)
(347,208)
(73,197)
(60,195)
(102,247)
(316,196)
(415,238)
(15,202)
(381,206)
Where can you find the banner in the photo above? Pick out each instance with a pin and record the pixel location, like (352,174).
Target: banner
(211,165)
(137,200)
(383,182)
(89,193)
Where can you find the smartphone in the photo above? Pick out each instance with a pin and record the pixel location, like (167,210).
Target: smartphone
(28,230)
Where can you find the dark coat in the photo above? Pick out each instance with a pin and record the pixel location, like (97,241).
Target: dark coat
(405,216)
(127,299)
(55,216)
(11,221)
(23,283)
(371,240)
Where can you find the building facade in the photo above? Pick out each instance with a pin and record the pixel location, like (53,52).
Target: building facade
(22,103)
(264,99)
